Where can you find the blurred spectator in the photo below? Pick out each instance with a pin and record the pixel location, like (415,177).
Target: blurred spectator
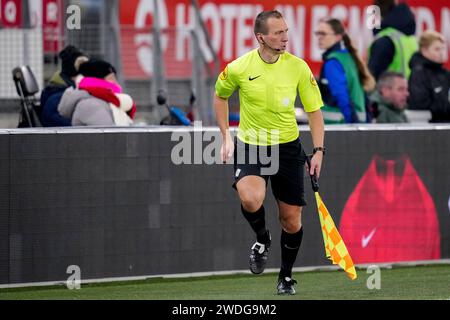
(97,101)
(344,76)
(71,57)
(96,68)
(395,43)
(389,101)
(429,84)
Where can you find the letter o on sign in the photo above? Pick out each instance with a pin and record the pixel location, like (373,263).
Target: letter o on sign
(10,12)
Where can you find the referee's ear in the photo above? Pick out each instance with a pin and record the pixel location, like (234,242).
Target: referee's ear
(259,38)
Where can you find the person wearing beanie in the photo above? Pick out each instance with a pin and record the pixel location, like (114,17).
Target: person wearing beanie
(71,58)
(96,69)
(100,69)
(96,102)
(68,57)
(98,99)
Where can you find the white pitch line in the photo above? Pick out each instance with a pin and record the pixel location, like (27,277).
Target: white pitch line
(388,265)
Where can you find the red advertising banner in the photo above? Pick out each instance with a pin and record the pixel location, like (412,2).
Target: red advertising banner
(52,13)
(378,222)
(47,14)
(11,13)
(230,25)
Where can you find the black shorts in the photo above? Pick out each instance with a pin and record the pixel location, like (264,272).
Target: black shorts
(283,164)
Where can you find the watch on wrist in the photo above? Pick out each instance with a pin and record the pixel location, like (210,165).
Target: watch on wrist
(319,149)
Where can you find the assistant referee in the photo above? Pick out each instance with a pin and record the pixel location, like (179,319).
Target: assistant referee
(268,79)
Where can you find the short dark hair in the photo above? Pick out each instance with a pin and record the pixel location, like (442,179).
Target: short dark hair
(385,79)
(261,20)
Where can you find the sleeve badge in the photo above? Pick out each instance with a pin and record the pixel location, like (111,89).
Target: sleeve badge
(313,80)
(224,74)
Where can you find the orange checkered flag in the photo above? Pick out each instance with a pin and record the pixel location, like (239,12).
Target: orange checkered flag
(335,248)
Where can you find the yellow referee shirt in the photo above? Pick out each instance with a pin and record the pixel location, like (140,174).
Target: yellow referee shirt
(267,93)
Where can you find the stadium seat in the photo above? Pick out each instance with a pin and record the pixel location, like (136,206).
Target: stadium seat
(27,87)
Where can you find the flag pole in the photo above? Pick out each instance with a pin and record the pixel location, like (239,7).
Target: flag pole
(335,248)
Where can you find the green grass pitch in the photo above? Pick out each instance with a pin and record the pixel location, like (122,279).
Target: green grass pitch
(405,283)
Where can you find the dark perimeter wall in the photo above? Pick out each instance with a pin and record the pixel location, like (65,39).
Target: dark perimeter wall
(113,203)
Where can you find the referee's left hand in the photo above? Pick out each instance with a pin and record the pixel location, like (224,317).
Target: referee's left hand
(316,164)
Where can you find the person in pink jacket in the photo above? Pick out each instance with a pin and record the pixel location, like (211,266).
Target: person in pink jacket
(98,99)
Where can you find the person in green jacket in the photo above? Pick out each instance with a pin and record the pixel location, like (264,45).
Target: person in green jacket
(390,99)
(395,42)
(344,77)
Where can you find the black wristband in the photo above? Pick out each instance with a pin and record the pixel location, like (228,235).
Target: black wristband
(319,149)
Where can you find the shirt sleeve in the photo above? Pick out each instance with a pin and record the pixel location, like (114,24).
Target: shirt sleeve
(337,83)
(226,83)
(308,90)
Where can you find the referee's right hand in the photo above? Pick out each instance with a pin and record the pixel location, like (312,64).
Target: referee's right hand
(227,149)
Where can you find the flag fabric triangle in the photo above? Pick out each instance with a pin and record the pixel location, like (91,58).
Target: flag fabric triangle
(335,248)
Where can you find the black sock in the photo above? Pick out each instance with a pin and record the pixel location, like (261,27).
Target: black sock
(258,223)
(290,244)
